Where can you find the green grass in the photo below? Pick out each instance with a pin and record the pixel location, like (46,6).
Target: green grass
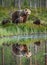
(21,29)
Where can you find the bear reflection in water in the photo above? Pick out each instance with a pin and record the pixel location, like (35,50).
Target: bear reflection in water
(21,49)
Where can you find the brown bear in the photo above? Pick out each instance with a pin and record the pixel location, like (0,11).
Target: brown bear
(37,22)
(23,13)
(19,48)
(5,21)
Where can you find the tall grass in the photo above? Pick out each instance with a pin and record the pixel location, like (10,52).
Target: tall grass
(21,29)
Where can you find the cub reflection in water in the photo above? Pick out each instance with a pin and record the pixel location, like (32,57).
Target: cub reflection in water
(37,43)
(21,49)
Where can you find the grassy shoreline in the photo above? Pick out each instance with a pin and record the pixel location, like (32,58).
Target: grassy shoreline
(21,41)
(27,28)
(21,29)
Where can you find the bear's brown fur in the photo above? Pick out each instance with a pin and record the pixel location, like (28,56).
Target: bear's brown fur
(23,13)
(19,48)
(19,20)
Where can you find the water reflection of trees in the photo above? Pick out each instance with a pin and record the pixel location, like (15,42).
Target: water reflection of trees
(38,54)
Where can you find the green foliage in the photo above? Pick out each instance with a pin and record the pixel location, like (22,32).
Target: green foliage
(38,13)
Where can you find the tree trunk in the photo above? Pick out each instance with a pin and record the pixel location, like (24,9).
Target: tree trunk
(46,3)
(19,4)
(2,56)
(35,4)
(46,53)
(3,3)
(30,4)
(15,3)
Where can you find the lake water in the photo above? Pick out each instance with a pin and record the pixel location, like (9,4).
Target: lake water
(38,52)
(32,36)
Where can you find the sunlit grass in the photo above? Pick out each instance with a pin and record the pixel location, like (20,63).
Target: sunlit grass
(21,29)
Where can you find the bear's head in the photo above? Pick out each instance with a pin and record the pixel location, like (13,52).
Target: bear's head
(27,11)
